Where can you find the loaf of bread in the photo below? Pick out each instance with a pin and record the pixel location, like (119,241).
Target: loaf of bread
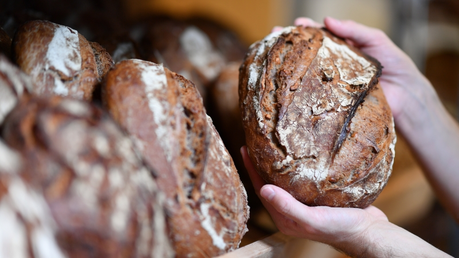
(103,200)
(316,120)
(224,40)
(164,114)
(120,47)
(224,93)
(185,49)
(13,84)
(59,59)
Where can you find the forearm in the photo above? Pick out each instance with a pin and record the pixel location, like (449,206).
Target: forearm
(434,137)
(384,239)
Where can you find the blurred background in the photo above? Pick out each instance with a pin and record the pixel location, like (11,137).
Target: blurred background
(427,30)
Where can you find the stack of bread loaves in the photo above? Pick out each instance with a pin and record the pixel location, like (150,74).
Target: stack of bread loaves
(74,183)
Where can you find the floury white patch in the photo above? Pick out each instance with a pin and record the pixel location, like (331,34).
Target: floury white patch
(63,56)
(347,63)
(155,81)
(208,225)
(201,53)
(64,51)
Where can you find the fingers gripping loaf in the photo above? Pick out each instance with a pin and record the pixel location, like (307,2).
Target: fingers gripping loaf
(59,59)
(163,112)
(316,120)
(104,202)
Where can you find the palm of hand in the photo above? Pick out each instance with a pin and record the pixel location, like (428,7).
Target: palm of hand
(325,224)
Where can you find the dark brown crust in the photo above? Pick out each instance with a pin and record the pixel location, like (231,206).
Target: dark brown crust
(204,192)
(5,43)
(31,45)
(103,59)
(194,51)
(103,199)
(120,47)
(301,101)
(13,84)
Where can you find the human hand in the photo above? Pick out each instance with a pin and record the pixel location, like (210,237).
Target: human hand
(356,232)
(335,226)
(418,111)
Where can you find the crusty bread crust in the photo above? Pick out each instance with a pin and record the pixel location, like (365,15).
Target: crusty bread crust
(317,123)
(164,113)
(103,199)
(59,59)
(13,84)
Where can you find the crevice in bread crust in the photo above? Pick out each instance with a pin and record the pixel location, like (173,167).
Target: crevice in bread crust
(360,99)
(196,141)
(344,129)
(99,69)
(273,93)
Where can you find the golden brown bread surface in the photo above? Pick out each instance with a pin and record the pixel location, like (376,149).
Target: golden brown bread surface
(103,200)
(59,59)
(316,120)
(163,112)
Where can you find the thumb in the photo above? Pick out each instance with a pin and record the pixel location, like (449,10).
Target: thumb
(285,204)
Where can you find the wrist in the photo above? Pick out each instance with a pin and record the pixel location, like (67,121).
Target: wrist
(384,239)
(365,244)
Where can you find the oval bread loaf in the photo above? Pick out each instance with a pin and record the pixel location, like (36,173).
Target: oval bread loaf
(103,200)
(164,113)
(316,120)
(59,59)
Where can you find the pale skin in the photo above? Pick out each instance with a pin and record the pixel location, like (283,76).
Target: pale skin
(431,132)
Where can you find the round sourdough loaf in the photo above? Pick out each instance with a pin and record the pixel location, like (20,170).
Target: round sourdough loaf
(59,59)
(164,114)
(316,120)
(103,200)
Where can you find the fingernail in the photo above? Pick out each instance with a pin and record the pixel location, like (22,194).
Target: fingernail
(267,193)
